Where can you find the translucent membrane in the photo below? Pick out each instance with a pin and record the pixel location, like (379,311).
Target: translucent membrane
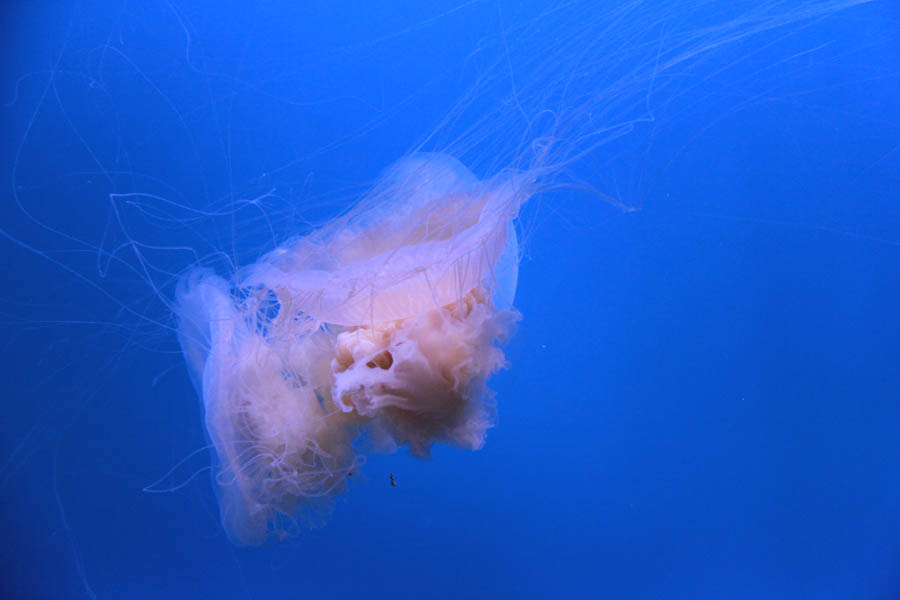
(384,322)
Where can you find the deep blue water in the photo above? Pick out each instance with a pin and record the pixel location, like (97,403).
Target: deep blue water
(703,398)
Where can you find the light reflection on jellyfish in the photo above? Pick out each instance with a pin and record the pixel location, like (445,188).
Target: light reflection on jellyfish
(385,321)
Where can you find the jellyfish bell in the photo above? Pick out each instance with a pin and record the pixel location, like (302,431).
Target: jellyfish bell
(427,234)
(385,321)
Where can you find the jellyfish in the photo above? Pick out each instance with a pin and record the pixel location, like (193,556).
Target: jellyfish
(378,330)
(383,326)
(385,323)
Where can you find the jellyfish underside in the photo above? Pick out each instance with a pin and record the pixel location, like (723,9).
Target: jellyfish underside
(382,324)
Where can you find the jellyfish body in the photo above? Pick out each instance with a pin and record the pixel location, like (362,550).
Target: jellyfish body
(384,322)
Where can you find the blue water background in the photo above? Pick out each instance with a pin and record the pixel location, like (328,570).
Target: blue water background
(703,398)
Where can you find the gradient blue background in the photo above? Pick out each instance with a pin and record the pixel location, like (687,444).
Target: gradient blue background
(704,397)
